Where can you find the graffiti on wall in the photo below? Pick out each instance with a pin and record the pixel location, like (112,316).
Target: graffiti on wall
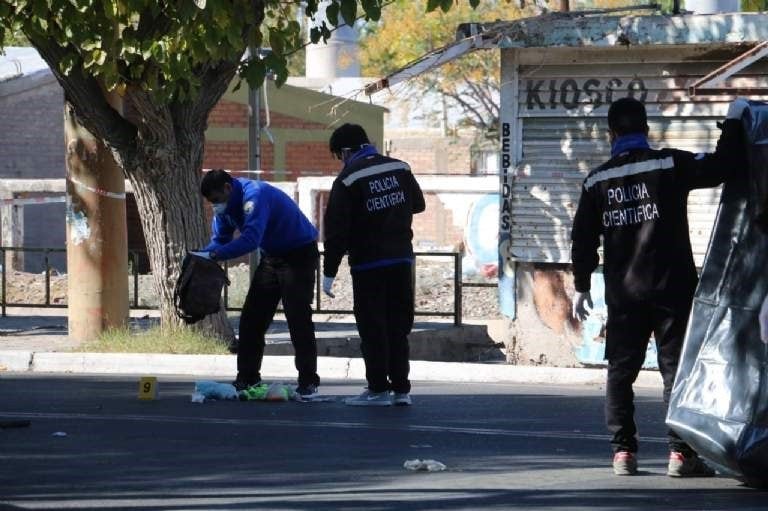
(481,237)
(591,351)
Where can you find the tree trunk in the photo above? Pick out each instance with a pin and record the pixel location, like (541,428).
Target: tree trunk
(165,175)
(159,145)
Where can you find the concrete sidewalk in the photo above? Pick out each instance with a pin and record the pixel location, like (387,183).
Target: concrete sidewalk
(282,367)
(38,343)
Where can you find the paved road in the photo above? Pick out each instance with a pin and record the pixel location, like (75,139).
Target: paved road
(506,447)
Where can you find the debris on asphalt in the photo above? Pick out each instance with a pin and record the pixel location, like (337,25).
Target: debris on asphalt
(424,465)
(267,392)
(59,433)
(207,390)
(212,390)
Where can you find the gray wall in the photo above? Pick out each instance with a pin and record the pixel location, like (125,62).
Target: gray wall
(32,147)
(32,128)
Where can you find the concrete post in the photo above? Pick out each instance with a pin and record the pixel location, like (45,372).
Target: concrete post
(97,235)
(12,233)
(254,143)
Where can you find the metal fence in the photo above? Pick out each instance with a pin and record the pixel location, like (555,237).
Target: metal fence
(133,258)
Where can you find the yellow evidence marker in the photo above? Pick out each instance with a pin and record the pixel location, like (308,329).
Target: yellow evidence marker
(148,387)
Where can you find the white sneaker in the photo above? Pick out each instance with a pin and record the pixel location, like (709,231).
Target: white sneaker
(368,398)
(401,399)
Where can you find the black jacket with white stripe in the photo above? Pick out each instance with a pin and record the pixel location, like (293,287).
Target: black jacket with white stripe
(369,214)
(637,202)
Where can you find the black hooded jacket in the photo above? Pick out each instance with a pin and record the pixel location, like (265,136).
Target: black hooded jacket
(369,214)
(637,202)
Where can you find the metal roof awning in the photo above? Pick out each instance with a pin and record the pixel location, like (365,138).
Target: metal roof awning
(712,83)
(592,29)
(431,60)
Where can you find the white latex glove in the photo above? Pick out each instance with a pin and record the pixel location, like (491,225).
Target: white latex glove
(764,321)
(580,312)
(736,108)
(327,285)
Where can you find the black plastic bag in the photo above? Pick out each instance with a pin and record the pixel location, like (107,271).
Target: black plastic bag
(719,402)
(198,290)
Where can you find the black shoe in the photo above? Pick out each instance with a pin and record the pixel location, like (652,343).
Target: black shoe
(306,390)
(242,384)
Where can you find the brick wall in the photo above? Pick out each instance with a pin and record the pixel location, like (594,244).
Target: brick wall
(279,120)
(32,124)
(301,158)
(309,159)
(429,154)
(434,227)
(228,114)
(226,155)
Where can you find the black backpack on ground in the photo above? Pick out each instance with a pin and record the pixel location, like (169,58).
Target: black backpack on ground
(198,290)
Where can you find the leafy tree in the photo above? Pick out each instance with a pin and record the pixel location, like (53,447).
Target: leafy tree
(754,5)
(167,63)
(11,38)
(470,83)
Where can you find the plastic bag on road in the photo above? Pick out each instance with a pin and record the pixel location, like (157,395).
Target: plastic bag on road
(719,402)
(267,392)
(424,465)
(213,390)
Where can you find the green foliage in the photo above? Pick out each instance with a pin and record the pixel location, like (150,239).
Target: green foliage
(165,48)
(754,5)
(11,38)
(470,83)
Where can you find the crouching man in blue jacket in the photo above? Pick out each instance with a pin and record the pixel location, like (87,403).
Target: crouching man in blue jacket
(271,222)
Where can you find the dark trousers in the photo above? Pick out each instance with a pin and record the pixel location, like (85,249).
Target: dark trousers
(384,314)
(627,333)
(290,278)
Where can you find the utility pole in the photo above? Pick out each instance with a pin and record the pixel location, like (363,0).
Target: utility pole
(254,140)
(97,234)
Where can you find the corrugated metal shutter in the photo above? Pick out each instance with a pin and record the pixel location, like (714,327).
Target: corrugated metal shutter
(564,134)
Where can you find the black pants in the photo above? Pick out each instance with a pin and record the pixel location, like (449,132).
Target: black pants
(384,314)
(627,333)
(290,278)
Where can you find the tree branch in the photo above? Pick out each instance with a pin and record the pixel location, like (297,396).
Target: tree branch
(479,95)
(87,97)
(153,120)
(467,108)
(213,84)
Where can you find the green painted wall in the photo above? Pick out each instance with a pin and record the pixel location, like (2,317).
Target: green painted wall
(317,107)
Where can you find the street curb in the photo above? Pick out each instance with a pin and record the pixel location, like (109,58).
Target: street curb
(15,361)
(283,367)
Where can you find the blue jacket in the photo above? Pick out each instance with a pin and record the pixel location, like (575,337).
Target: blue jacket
(266,218)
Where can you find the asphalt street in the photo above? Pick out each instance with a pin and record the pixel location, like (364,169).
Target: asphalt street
(505,446)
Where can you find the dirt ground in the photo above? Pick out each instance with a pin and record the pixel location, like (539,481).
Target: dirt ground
(434,290)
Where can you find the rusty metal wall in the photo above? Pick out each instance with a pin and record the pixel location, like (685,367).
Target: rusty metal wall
(558,118)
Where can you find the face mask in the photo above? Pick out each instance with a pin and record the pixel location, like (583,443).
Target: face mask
(219,208)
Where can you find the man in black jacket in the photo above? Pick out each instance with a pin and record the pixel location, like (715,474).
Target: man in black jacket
(637,202)
(369,217)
